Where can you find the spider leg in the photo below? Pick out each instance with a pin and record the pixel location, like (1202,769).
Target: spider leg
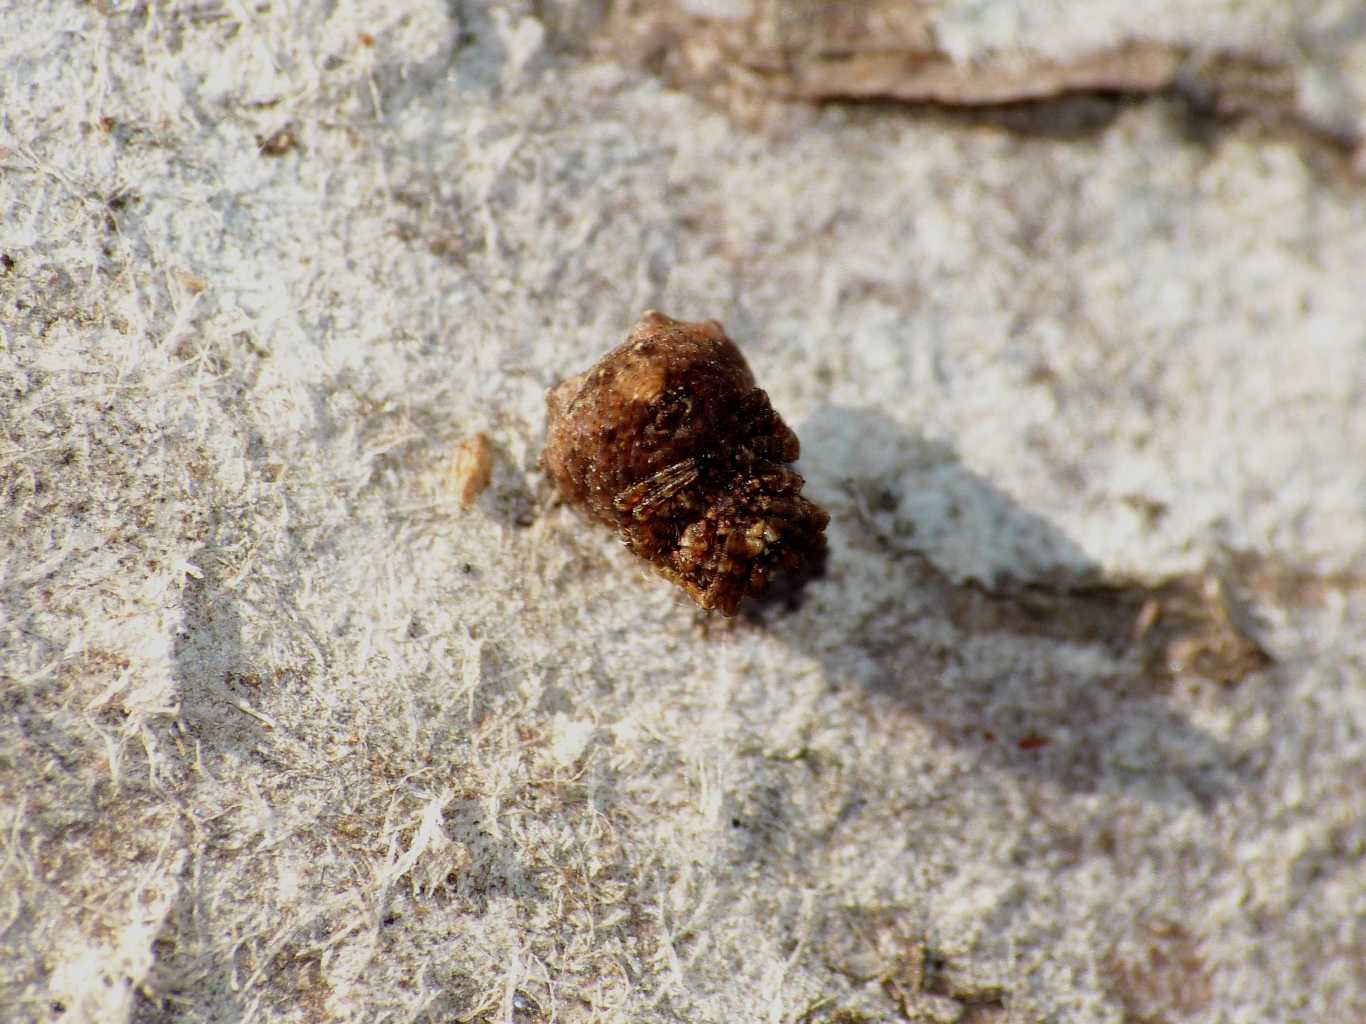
(643,498)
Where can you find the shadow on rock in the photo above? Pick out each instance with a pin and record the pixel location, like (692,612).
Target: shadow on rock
(948,601)
(215,674)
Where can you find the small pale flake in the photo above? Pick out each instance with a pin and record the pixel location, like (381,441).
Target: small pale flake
(471,468)
(569,739)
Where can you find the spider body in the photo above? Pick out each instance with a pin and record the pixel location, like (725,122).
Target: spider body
(668,440)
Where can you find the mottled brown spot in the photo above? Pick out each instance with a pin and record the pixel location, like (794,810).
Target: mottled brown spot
(641,381)
(278,142)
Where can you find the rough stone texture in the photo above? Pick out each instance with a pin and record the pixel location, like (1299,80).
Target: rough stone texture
(1073,730)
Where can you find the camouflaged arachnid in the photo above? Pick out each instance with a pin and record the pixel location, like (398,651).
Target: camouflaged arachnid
(668,440)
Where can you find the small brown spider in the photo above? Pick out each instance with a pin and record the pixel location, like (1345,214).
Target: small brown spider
(668,440)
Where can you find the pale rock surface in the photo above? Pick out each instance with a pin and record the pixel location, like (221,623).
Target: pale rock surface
(288,735)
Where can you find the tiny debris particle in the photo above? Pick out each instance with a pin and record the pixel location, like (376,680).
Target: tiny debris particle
(668,440)
(191,283)
(471,468)
(278,142)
